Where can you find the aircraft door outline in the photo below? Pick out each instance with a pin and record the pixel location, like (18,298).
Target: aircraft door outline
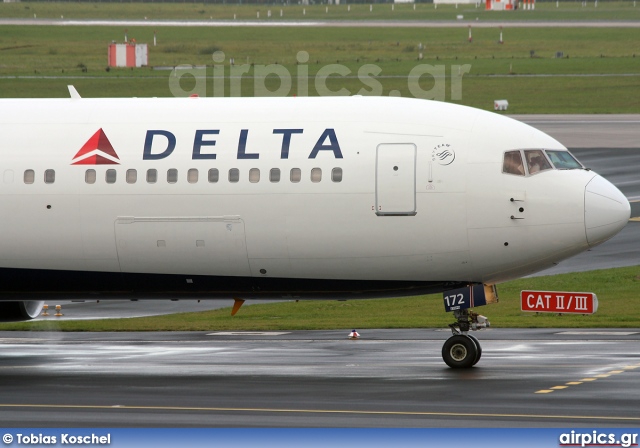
(396,179)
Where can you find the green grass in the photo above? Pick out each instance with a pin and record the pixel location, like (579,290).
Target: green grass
(618,293)
(51,49)
(40,61)
(525,95)
(191,10)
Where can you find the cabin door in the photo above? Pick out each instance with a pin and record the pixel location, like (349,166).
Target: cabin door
(396,179)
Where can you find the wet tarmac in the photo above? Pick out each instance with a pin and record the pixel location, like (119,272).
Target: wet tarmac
(388,378)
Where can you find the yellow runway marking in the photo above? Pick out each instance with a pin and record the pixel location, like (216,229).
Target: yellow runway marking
(595,378)
(314,411)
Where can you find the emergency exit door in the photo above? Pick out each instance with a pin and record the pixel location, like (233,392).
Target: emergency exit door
(396,179)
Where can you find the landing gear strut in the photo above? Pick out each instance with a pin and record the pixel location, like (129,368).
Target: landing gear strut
(462,350)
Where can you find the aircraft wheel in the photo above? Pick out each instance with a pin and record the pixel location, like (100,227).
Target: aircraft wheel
(460,352)
(474,339)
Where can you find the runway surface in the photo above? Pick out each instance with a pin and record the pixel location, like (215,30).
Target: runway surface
(589,131)
(330,23)
(388,378)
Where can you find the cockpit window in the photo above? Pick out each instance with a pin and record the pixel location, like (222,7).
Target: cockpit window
(513,163)
(563,160)
(536,161)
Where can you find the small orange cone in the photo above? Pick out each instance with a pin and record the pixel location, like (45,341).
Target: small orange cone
(354,335)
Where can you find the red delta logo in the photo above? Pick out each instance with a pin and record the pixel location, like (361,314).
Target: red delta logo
(97,151)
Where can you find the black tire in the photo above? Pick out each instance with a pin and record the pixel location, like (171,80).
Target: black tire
(20,311)
(459,352)
(474,339)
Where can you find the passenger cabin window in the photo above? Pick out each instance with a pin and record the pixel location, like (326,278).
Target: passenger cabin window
(49,176)
(513,163)
(536,161)
(274,175)
(213,175)
(316,175)
(192,176)
(336,174)
(152,176)
(29,176)
(90,176)
(296,175)
(110,176)
(254,175)
(132,176)
(234,175)
(564,160)
(172,176)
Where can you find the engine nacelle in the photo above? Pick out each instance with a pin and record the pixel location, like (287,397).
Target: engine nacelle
(18,311)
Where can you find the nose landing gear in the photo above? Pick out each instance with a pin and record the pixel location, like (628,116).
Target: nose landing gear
(462,350)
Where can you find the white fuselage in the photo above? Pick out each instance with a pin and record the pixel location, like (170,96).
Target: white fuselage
(389,189)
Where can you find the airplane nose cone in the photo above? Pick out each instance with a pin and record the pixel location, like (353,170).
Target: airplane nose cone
(606,210)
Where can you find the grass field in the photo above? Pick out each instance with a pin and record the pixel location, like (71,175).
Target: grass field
(192,10)
(618,293)
(51,49)
(600,72)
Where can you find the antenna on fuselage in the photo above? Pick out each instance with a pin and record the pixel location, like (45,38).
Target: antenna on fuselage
(73,93)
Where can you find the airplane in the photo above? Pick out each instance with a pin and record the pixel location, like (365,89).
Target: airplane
(285,198)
